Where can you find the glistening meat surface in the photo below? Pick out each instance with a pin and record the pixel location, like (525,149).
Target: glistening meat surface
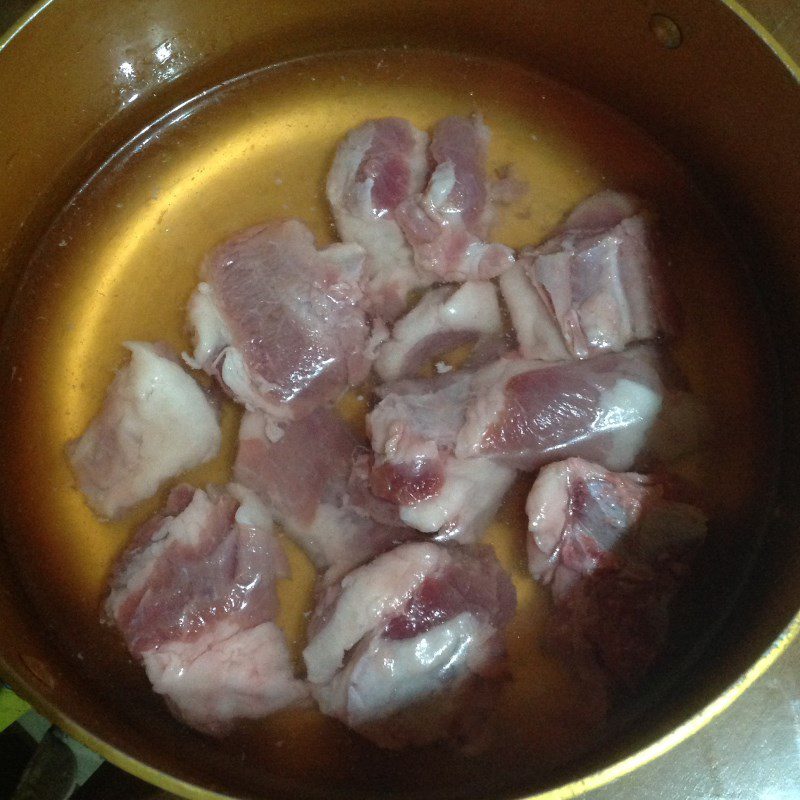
(378,166)
(444,318)
(194,596)
(526,413)
(279,323)
(598,278)
(414,430)
(614,551)
(403,648)
(316,481)
(447,224)
(155,423)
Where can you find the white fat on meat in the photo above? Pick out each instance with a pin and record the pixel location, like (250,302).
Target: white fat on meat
(444,318)
(448,223)
(156,422)
(472,492)
(369,594)
(538,334)
(194,596)
(280,324)
(401,648)
(414,430)
(526,413)
(385,677)
(614,550)
(312,481)
(599,279)
(226,674)
(378,166)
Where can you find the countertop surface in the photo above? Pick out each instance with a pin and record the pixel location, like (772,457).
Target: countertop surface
(749,752)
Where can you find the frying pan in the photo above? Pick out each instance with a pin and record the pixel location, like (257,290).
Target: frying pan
(702,79)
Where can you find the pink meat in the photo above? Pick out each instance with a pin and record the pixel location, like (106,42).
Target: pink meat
(408,649)
(317,482)
(599,279)
(583,517)
(225,674)
(414,430)
(193,595)
(614,551)
(448,223)
(279,323)
(378,166)
(538,334)
(155,423)
(526,413)
(445,318)
(308,465)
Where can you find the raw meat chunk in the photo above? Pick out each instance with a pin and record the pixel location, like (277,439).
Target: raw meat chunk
(445,318)
(194,596)
(526,413)
(407,649)
(538,334)
(156,422)
(614,552)
(472,491)
(414,430)
(225,674)
(599,279)
(280,324)
(582,517)
(378,166)
(315,480)
(448,223)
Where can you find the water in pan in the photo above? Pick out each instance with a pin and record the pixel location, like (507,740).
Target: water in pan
(120,261)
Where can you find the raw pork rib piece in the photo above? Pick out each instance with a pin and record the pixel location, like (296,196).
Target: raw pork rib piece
(194,596)
(526,413)
(598,277)
(378,166)
(614,552)
(538,334)
(448,223)
(472,491)
(445,318)
(316,481)
(407,649)
(279,323)
(156,422)
(413,431)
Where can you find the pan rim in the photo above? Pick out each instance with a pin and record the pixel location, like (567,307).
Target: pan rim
(572,789)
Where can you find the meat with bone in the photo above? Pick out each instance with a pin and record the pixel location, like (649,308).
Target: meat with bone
(447,224)
(471,494)
(402,649)
(156,422)
(614,551)
(444,318)
(279,323)
(526,413)
(538,333)
(598,277)
(194,596)
(315,480)
(378,166)
(414,430)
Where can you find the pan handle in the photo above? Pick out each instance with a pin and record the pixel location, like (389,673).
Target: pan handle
(51,773)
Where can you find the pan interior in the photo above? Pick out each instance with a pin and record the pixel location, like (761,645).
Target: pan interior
(119,263)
